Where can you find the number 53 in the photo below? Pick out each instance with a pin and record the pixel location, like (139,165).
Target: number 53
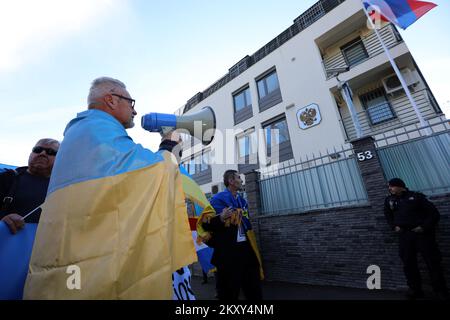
(366,155)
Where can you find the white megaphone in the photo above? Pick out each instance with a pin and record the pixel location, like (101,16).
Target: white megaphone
(201,125)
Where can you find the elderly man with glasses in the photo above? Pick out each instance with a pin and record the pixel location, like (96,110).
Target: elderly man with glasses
(25,188)
(114,209)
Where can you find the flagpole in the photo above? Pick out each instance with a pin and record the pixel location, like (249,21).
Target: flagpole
(397,71)
(29,213)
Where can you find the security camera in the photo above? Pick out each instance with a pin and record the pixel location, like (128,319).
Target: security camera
(337,71)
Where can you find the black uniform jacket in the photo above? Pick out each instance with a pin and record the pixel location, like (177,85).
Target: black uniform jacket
(410,210)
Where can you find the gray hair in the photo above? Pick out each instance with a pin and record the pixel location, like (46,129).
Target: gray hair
(102,86)
(49,141)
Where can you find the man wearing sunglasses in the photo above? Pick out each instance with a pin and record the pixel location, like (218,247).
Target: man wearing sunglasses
(25,188)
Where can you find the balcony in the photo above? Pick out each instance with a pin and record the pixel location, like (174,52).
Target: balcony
(362,50)
(377,120)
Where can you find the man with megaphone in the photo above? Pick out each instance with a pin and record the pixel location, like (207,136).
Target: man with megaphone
(114,223)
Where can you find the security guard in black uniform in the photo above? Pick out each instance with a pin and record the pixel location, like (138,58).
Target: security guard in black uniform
(415,218)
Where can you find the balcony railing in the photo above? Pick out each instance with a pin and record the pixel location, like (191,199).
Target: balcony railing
(403,115)
(372,47)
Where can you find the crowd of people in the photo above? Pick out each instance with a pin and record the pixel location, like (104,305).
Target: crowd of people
(97,136)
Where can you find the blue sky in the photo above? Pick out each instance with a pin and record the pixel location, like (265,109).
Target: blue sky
(164,51)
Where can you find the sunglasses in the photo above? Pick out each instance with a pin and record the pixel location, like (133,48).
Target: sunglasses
(48,151)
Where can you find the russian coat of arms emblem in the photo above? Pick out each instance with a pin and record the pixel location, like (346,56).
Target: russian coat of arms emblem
(309,116)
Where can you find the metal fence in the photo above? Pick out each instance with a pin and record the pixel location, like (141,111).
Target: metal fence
(326,181)
(419,156)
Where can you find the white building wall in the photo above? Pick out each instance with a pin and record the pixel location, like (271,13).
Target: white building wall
(302,82)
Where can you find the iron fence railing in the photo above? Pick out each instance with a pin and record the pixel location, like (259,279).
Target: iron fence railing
(322,181)
(418,155)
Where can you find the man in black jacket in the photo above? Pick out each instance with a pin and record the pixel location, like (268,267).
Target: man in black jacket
(25,188)
(235,258)
(415,218)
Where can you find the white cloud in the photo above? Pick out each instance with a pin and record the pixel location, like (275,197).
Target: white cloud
(21,130)
(29,28)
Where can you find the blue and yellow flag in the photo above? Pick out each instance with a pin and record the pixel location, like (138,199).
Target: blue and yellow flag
(200,208)
(114,210)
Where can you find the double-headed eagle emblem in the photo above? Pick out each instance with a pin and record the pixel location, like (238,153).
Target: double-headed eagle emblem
(308,117)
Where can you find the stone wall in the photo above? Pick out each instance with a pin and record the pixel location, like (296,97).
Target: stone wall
(336,246)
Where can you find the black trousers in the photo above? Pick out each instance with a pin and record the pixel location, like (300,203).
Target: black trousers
(243,273)
(412,243)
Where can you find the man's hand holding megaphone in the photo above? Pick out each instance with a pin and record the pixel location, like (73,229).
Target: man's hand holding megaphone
(172,142)
(171,135)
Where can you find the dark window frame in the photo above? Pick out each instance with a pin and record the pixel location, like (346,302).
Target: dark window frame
(246,166)
(351,44)
(246,112)
(238,93)
(201,176)
(270,99)
(285,146)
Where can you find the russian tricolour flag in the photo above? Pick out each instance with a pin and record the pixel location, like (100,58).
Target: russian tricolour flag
(403,13)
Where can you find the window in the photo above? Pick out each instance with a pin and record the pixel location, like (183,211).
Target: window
(246,145)
(268,85)
(247,151)
(277,134)
(200,168)
(242,100)
(268,90)
(377,106)
(354,52)
(198,163)
(191,167)
(205,161)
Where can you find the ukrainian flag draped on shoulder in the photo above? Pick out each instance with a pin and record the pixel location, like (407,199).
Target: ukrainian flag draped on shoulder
(116,211)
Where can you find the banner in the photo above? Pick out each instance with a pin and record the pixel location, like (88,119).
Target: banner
(15,253)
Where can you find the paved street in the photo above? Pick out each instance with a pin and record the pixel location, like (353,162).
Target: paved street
(288,291)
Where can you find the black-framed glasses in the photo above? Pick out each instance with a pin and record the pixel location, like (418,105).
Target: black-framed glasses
(125,98)
(48,151)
